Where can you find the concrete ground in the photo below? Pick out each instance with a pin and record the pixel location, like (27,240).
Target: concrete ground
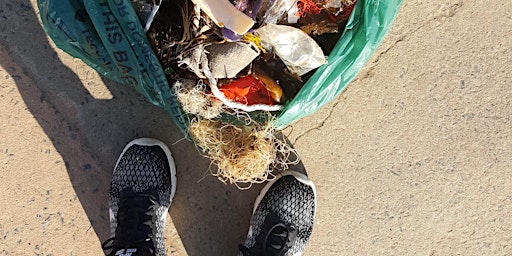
(414,158)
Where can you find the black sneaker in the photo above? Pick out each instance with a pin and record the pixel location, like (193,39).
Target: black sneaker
(282,219)
(141,191)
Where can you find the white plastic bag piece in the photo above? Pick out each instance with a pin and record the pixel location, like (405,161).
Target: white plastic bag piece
(277,9)
(293,14)
(296,49)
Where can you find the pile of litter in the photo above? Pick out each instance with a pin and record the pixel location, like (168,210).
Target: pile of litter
(234,65)
(229,72)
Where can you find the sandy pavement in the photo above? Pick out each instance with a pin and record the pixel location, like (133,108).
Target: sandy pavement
(414,158)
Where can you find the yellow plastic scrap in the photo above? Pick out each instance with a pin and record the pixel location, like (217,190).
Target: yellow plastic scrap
(256,40)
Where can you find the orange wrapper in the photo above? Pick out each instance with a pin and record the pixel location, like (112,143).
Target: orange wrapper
(247,90)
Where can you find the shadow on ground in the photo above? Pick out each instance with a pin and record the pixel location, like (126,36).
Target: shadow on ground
(210,217)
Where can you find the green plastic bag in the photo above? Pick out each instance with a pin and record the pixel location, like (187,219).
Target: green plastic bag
(368,24)
(107,36)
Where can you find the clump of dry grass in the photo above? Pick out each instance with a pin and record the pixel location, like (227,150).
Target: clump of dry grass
(243,154)
(196,101)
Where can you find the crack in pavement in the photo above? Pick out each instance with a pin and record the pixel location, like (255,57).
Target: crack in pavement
(321,124)
(446,11)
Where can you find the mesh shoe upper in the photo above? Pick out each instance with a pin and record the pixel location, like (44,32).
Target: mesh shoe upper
(134,223)
(141,191)
(283,220)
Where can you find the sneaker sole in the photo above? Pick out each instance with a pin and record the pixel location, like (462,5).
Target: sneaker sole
(298,175)
(155,142)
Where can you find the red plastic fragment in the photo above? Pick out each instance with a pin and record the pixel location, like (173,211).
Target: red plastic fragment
(307,7)
(247,90)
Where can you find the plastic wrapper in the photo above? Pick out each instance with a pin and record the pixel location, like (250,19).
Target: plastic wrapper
(296,49)
(277,9)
